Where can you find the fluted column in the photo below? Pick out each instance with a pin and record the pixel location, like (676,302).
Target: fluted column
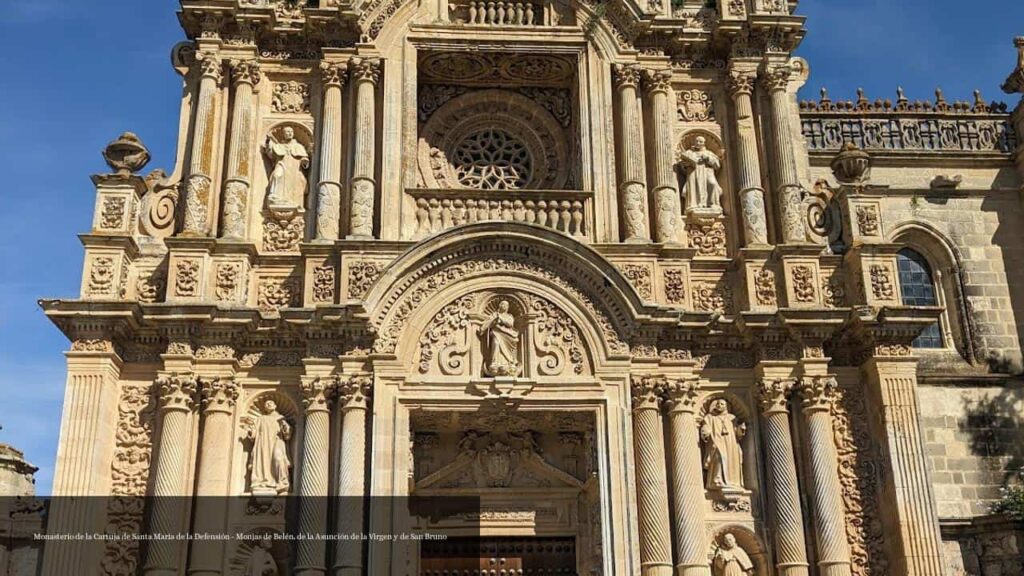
(788,192)
(667,211)
(353,403)
(783,488)
(213,485)
(244,75)
(632,172)
(651,483)
(818,394)
(311,554)
(200,184)
(365,75)
(755,221)
(687,480)
(177,398)
(328,198)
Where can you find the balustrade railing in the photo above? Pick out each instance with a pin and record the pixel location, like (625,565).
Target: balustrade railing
(501,13)
(439,210)
(919,127)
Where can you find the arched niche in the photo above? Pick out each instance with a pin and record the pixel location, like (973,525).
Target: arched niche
(746,427)
(253,409)
(260,549)
(745,539)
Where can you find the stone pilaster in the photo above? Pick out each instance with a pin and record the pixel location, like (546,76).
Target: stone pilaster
(85,452)
(687,479)
(630,153)
(354,394)
(219,396)
(651,482)
(311,554)
(245,74)
(783,488)
(755,221)
(365,75)
(911,518)
(783,157)
(176,394)
(328,196)
(665,191)
(818,394)
(199,186)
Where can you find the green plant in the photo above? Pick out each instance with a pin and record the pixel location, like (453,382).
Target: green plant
(1011,503)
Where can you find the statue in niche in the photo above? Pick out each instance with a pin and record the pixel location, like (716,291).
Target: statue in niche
(703,193)
(501,338)
(723,456)
(730,559)
(287,182)
(270,466)
(261,562)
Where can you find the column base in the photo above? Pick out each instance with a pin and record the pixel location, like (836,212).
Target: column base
(834,569)
(799,569)
(692,570)
(656,570)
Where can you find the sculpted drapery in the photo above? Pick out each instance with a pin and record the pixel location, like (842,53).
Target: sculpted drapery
(502,338)
(702,188)
(731,560)
(269,473)
(723,457)
(287,181)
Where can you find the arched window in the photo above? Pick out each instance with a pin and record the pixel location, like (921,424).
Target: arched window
(917,288)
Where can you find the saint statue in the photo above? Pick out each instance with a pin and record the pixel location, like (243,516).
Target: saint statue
(270,464)
(723,456)
(731,560)
(261,562)
(501,356)
(287,181)
(702,189)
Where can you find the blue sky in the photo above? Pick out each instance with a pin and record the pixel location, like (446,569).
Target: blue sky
(76,74)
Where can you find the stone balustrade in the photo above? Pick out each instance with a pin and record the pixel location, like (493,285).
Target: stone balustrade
(439,210)
(491,13)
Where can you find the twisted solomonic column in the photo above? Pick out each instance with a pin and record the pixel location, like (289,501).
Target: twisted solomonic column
(177,400)
(818,393)
(199,185)
(244,75)
(667,211)
(787,181)
(365,75)
(219,396)
(784,490)
(687,479)
(651,484)
(632,173)
(755,222)
(328,196)
(311,553)
(353,402)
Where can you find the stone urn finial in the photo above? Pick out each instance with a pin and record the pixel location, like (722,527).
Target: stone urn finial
(126,154)
(1015,81)
(852,165)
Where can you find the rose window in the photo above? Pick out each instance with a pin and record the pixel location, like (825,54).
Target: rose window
(492,159)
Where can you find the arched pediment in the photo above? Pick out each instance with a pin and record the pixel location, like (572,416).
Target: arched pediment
(541,264)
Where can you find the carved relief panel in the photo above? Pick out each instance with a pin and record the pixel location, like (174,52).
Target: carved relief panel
(492,334)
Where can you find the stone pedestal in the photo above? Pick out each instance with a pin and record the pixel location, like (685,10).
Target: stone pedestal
(705,228)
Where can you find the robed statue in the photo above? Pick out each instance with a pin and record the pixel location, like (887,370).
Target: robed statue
(261,562)
(501,354)
(287,181)
(703,193)
(731,560)
(723,455)
(270,434)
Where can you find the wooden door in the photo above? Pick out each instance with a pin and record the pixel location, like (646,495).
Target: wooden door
(498,557)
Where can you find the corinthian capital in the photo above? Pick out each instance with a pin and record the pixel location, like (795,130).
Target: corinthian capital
(657,81)
(365,70)
(776,78)
(625,75)
(333,74)
(648,392)
(740,83)
(818,393)
(317,392)
(681,395)
(355,392)
(245,72)
(219,394)
(773,394)
(210,66)
(177,392)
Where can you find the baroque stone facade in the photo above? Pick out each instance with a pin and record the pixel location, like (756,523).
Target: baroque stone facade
(591,264)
